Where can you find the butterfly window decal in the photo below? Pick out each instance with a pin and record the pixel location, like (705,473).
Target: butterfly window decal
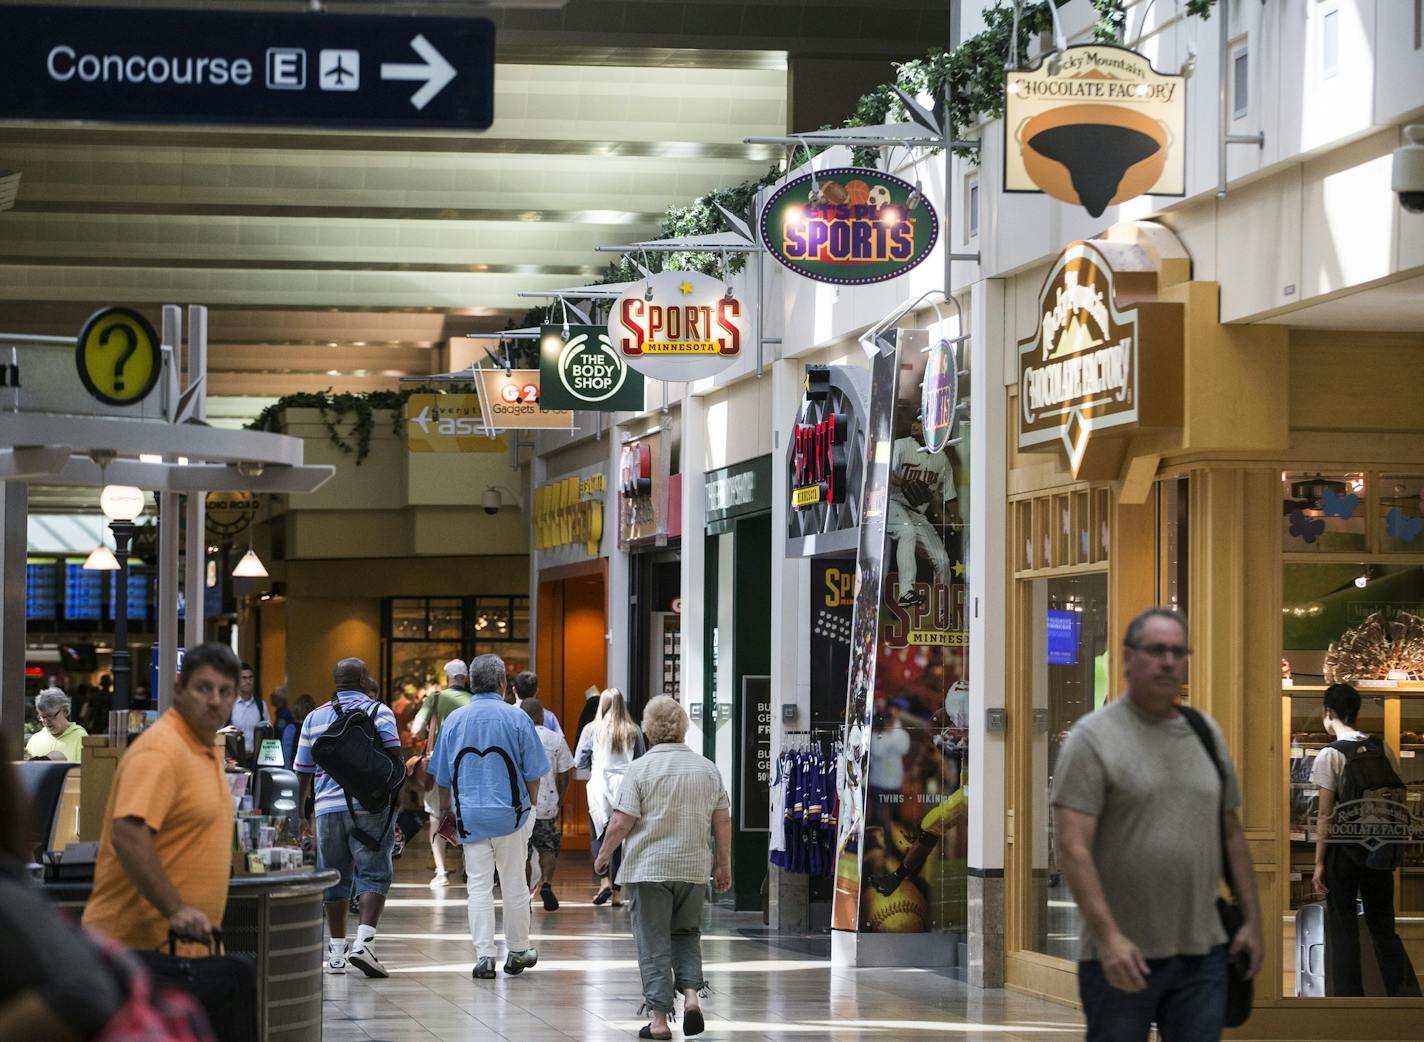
(1308,529)
(1399,525)
(1338,504)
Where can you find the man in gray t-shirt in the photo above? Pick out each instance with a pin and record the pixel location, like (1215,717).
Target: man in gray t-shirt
(1139,810)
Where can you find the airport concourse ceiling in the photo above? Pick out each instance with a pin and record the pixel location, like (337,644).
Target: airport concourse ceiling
(348,258)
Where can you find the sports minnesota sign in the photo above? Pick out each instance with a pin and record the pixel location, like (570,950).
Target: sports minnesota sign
(578,369)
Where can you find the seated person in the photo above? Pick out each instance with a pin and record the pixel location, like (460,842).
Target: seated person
(55,984)
(59,738)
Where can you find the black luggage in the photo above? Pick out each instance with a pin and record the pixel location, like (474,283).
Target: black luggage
(224,985)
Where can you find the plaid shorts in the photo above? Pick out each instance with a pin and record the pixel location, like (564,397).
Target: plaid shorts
(546,836)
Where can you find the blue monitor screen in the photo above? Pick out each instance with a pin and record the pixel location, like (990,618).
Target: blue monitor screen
(1063,630)
(41,590)
(83,592)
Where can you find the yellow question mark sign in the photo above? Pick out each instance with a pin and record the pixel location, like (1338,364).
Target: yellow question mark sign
(118,355)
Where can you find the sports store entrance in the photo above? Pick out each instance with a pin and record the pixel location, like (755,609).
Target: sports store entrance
(1294,543)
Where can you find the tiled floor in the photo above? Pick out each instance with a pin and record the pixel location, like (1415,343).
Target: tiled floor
(586,984)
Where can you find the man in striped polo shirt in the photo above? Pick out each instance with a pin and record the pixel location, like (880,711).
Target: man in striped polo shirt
(669,802)
(367,870)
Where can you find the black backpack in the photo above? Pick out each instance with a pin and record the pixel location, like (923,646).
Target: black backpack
(1368,774)
(353,754)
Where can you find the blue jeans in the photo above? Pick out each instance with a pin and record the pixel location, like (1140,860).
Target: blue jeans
(369,871)
(1185,996)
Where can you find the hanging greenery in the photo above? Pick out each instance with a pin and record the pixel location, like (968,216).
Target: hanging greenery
(353,410)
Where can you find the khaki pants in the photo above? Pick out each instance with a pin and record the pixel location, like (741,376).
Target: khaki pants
(667,924)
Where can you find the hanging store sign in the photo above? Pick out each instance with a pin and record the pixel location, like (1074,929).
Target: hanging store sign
(826,461)
(579,369)
(118,356)
(1081,374)
(849,226)
(447,423)
(515,403)
(282,69)
(569,513)
(228,513)
(678,325)
(1095,126)
(939,396)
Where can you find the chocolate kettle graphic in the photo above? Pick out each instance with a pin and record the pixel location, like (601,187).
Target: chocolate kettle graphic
(1094,155)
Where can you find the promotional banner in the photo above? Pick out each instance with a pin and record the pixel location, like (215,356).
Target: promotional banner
(826,461)
(831,602)
(679,325)
(909,690)
(515,402)
(581,370)
(448,423)
(1095,125)
(849,226)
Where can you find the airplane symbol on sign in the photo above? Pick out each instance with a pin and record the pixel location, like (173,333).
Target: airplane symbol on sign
(340,70)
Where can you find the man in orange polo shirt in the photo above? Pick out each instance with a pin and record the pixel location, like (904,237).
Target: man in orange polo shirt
(166,850)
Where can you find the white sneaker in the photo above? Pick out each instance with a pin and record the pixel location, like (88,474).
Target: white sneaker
(441,879)
(336,958)
(363,957)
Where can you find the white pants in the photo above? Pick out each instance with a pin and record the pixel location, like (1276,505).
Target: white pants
(481,859)
(911,530)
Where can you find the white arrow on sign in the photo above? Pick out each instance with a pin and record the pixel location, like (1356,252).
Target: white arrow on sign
(436,72)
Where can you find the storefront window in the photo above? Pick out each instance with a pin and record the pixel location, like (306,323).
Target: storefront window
(1400,516)
(1323,513)
(423,633)
(1068,675)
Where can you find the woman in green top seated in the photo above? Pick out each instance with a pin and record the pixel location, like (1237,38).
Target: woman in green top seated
(59,739)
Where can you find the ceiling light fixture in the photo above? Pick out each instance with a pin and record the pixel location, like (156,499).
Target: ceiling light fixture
(101,559)
(250,566)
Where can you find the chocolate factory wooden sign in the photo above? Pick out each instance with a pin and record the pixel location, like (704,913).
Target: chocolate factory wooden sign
(1105,360)
(1095,125)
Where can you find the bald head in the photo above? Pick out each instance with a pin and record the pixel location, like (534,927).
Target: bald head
(351,674)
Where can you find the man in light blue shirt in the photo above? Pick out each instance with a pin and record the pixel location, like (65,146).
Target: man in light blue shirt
(488,762)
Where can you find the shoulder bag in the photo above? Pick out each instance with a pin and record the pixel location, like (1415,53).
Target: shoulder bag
(1239,989)
(417,768)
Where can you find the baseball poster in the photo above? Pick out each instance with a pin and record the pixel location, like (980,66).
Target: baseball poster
(911,844)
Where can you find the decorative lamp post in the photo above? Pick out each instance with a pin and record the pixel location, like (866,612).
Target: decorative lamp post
(121,504)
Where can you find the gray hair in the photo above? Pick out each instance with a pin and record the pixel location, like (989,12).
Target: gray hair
(487,674)
(50,699)
(664,721)
(1133,637)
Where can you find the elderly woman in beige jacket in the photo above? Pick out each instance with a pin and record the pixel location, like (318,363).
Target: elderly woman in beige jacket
(670,802)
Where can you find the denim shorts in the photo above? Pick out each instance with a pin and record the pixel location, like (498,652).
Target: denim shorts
(369,871)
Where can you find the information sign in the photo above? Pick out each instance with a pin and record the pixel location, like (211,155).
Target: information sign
(119,356)
(207,66)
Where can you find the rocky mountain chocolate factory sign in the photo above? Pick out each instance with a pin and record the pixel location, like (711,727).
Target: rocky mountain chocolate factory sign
(678,325)
(1097,127)
(849,226)
(1082,372)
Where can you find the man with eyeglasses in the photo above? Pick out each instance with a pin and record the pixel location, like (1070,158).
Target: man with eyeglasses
(1139,811)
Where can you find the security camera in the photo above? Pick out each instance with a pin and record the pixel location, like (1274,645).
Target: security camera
(1408,179)
(489,500)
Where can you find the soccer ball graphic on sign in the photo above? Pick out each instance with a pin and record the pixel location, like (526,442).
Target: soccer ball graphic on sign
(879,195)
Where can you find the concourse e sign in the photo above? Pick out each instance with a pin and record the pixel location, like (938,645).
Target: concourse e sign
(256,69)
(1094,126)
(849,226)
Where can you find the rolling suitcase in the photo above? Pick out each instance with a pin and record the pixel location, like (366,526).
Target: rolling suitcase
(1311,967)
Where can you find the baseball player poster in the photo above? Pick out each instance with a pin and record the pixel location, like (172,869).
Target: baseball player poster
(911,842)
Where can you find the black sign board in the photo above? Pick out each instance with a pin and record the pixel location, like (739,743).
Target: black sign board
(311,70)
(756,754)
(737,491)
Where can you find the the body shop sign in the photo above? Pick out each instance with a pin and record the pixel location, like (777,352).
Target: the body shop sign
(579,369)
(678,325)
(1095,126)
(849,226)
(1082,373)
